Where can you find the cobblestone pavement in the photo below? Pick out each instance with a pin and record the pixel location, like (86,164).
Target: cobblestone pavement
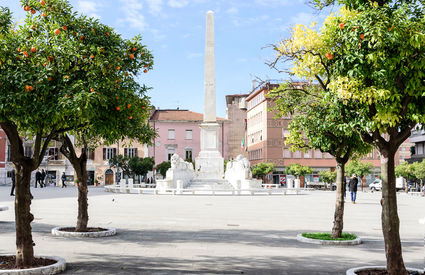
(159,234)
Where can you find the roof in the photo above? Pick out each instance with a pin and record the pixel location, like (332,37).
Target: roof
(178,115)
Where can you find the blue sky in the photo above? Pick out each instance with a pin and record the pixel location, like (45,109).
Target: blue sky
(174,30)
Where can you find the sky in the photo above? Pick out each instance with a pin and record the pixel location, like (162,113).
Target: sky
(174,31)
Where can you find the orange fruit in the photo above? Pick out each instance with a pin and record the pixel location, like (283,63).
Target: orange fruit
(65,28)
(132,56)
(362,36)
(118,108)
(25,53)
(134,49)
(341,25)
(66,76)
(329,56)
(116,97)
(57,31)
(145,71)
(44,14)
(91,56)
(143,107)
(145,66)
(27,8)
(33,49)
(33,11)
(82,37)
(130,117)
(118,68)
(50,78)
(42,2)
(107,33)
(128,106)
(91,90)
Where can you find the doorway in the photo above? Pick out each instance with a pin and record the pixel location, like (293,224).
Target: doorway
(90,177)
(109,177)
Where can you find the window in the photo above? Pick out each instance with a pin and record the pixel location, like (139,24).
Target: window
(171,134)
(53,153)
(170,152)
(130,152)
(188,134)
(317,154)
(188,155)
(28,151)
(286,153)
(285,133)
(90,153)
(419,148)
(307,154)
(9,153)
(297,155)
(109,153)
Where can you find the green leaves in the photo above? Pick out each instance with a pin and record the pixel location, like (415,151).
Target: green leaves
(262,169)
(298,170)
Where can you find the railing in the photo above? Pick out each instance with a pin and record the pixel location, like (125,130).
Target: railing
(175,191)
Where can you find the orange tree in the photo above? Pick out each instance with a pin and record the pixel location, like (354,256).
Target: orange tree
(59,73)
(377,50)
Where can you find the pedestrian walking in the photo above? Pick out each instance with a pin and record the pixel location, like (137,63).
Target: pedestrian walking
(12,176)
(63,178)
(38,179)
(43,176)
(352,185)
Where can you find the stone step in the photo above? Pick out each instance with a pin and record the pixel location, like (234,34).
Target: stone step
(210,184)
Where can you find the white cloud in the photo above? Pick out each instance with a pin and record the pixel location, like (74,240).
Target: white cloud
(89,8)
(177,3)
(132,10)
(232,10)
(302,18)
(155,6)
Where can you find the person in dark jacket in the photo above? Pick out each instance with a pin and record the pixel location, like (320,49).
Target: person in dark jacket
(38,179)
(352,185)
(63,178)
(12,176)
(43,176)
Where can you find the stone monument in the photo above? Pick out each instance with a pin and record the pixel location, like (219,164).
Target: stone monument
(209,163)
(180,171)
(238,174)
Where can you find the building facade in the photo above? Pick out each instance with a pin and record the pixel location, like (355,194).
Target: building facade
(236,114)
(417,139)
(179,133)
(266,136)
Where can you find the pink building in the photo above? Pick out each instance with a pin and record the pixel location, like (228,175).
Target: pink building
(179,132)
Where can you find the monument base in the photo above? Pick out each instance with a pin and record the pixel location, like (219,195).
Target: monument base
(209,165)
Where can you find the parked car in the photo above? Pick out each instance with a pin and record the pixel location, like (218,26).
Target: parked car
(376,185)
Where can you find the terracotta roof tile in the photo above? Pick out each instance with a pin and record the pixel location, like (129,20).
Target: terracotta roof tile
(178,115)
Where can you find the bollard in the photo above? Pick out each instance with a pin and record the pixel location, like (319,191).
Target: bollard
(179,187)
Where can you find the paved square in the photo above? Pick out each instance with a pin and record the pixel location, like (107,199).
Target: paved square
(212,234)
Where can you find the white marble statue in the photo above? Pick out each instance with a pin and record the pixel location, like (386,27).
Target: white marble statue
(180,170)
(238,173)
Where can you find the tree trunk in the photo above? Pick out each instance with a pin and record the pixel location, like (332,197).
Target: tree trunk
(83,216)
(339,205)
(23,218)
(389,215)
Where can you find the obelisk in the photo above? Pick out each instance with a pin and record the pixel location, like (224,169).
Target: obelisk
(209,163)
